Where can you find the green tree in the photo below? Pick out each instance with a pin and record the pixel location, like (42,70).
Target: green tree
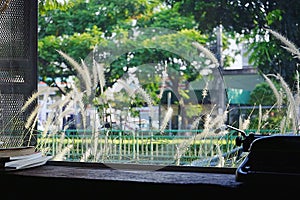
(77,30)
(249,19)
(76,27)
(52,65)
(47,5)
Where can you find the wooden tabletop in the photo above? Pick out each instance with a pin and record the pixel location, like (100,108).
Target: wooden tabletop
(124,179)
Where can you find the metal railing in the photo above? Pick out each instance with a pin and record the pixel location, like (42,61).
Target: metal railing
(141,147)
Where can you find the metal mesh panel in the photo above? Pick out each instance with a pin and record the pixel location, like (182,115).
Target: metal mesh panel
(11,76)
(14,25)
(18,69)
(11,119)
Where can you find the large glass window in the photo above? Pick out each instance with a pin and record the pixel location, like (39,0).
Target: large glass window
(163,82)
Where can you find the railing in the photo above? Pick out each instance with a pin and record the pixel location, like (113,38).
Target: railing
(142,147)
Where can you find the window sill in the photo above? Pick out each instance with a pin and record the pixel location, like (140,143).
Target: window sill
(123,179)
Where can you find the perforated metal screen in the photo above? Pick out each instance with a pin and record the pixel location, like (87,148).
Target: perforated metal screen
(18,69)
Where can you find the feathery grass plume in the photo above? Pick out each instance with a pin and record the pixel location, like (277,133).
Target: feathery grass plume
(73,62)
(221,160)
(86,155)
(87,78)
(298,81)
(95,144)
(60,156)
(259,118)
(282,126)
(66,105)
(293,106)
(95,74)
(50,119)
(61,102)
(54,123)
(51,128)
(265,116)
(274,89)
(78,97)
(297,96)
(196,122)
(46,95)
(163,82)
(147,98)
(289,120)
(61,140)
(209,124)
(35,95)
(166,119)
(207,121)
(205,91)
(104,151)
(30,100)
(219,120)
(182,148)
(292,110)
(82,70)
(67,111)
(32,117)
(207,52)
(145,95)
(127,88)
(101,76)
(31,130)
(245,123)
(289,46)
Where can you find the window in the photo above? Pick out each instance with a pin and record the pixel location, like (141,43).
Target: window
(154,84)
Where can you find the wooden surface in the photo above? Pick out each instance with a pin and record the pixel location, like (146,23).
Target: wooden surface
(115,172)
(78,179)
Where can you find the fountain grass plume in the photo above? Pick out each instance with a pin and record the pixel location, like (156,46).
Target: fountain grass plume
(79,100)
(259,117)
(60,155)
(207,52)
(274,89)
(100,71)
(288,45)
(147,98)
(32,117)
(244,124)
(137,90)
(163,82)
(85,156)
(95,75)
(210,125)
(166,119)
(35,95)
(130,91)
(81,69)
(293,103)
(87,79)
(292,107)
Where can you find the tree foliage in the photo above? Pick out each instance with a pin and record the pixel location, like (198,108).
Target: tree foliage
(77,26)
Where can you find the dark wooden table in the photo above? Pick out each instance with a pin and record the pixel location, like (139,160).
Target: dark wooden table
(92,180)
